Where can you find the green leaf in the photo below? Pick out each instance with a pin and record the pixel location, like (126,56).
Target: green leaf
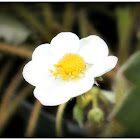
(12,30)
(132,69)
(124,20)
(128,113)
(78,114)
(124,23)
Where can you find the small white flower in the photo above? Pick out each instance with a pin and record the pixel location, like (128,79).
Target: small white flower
(66,67)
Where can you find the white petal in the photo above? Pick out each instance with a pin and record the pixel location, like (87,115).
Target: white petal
(103,66)
(36,73)
(93,48)
(68,89)
(28,75)
(65,42)
(49,99)
(76,88)
(43,53)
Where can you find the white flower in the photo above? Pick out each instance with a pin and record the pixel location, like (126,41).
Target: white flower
(66,67)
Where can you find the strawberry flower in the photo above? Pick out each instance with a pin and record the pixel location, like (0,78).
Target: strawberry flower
(67,67)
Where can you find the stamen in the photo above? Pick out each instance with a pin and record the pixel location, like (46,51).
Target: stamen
(69,66)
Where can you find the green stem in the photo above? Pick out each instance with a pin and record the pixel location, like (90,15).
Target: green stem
(59,115)
(119,89)
(4,70)
(33,119)
(95,101)
(48,15)
(11,108)
(32,19)
(8,94)
(15,50)
(83,23)
(69,17)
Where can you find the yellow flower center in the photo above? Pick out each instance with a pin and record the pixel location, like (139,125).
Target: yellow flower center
(69,66)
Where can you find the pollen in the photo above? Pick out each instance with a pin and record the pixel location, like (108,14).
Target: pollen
(70,66)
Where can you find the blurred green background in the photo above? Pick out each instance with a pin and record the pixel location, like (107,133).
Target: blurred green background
(24,26)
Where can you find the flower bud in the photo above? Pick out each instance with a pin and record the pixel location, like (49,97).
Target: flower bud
(95,115)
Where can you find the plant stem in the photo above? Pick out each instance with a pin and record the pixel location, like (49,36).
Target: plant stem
(7,96)
(49,19)
(48,15)
(4,70)
(32,19)
(15,51)
(33,119)
(59,115)
(119,89)
(69,17)
(95,101)
(83,23)
(13,105)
